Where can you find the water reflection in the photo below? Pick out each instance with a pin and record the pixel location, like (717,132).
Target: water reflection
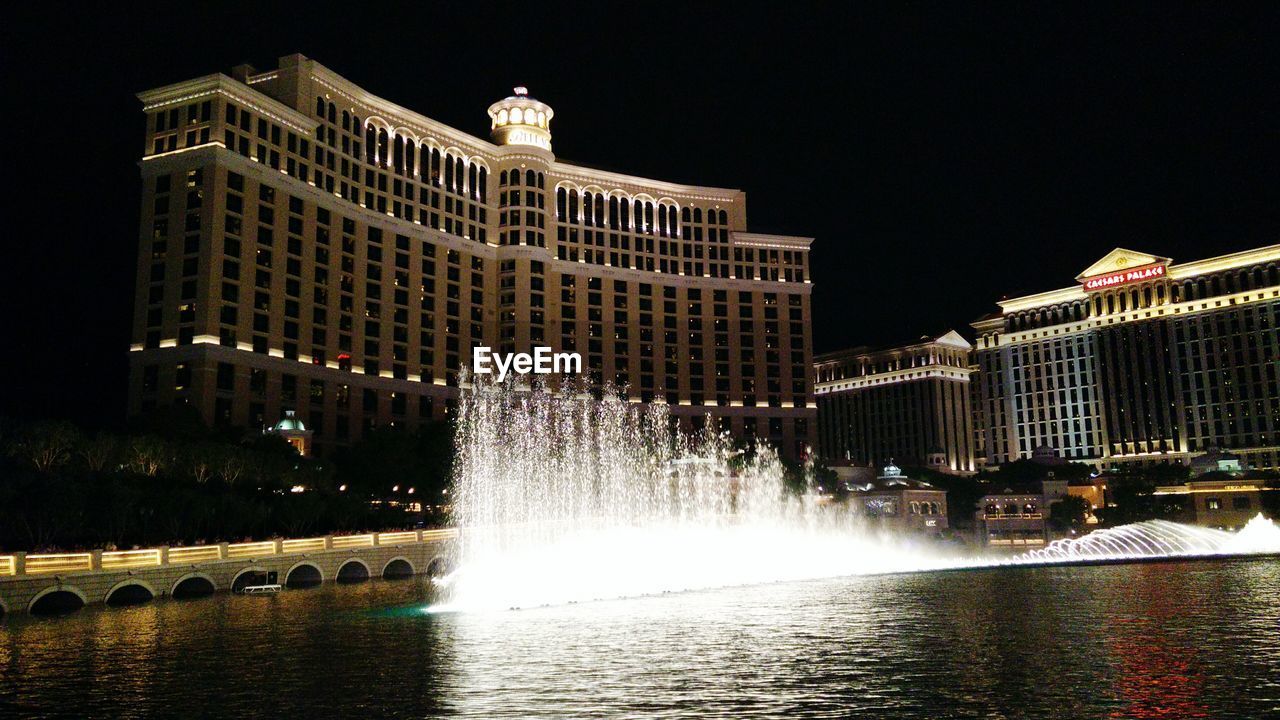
(1170,640)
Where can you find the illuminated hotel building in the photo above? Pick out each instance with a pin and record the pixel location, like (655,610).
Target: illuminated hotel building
(1142,360)
(308,246)
(908,403)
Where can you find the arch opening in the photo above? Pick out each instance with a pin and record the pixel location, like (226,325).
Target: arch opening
(194,586)
(353,571)
(397,569)
(253,576)
(57,601)
(303,575)
(438,567)
(129,594)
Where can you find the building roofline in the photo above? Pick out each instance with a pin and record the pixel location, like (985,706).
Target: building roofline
(408,118)
(948,338)
(1181,271)
(218,83)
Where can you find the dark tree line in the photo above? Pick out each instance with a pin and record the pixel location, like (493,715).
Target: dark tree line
(169,480)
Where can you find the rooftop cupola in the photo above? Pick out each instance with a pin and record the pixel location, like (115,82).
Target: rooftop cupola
(521,120)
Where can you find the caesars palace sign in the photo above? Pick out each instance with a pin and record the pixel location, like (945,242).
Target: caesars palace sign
(1123,277)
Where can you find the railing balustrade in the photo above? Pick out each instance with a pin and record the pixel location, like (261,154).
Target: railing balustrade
(20,564)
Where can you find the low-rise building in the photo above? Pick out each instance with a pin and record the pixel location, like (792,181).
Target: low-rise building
(895,500)
(1016,518)
(1226,504)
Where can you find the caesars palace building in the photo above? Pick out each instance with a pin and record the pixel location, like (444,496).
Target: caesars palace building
(307,246)
(1141,360)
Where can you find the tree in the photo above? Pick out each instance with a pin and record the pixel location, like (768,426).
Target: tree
(47,445)
(1069,513)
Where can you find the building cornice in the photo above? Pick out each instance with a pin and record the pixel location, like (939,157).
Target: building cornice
(949,339)
(1172,310)
(921,372)
(777,242)
(219,84)
(1270,253)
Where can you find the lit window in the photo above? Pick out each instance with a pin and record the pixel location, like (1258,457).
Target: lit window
(517,115)
(502,117)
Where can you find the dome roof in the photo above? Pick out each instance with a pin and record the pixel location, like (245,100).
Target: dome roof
(518,119)
(290,423)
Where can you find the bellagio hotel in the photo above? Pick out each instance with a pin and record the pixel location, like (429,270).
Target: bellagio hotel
(308,246)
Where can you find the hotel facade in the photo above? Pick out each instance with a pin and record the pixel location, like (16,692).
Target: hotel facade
(910,404)
(1141,360)
(308,247)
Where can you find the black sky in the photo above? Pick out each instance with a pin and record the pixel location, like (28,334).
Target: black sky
(942,155)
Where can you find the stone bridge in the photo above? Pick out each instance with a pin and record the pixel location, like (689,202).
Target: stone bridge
(68,581)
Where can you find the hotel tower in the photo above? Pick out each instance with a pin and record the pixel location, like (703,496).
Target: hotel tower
(1141,360)
(309,247)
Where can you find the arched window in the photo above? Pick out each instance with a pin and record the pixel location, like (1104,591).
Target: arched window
(724,217)
(562,204)
(573,206)
(435,166)
(410,167)
(484,184)
(624,206)
(697,215)
(346,120)
(319,106)
(383,149)
(473,174)
(333,114)
(448,171)
(587,218)
(613,212)
(370,145)
(398,154)
(530,178)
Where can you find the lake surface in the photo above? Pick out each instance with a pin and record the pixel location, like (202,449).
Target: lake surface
(1166,640)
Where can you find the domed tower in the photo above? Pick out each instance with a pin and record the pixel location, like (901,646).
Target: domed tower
(521,120)
(522,129)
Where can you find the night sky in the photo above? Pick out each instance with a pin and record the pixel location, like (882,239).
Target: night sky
(942,156)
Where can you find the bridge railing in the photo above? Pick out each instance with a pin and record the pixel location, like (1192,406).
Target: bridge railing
(21,564)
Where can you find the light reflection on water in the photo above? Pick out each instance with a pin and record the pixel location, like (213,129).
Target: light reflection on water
(1168,640)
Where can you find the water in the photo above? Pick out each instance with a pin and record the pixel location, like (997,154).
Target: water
(565,499)
(663,576)
(1193,639)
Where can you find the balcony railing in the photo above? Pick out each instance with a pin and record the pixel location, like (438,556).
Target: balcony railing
(21,564)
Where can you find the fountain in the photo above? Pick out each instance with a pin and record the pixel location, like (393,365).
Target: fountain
(567,496)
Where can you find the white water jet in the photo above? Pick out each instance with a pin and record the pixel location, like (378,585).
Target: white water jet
(563,497)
